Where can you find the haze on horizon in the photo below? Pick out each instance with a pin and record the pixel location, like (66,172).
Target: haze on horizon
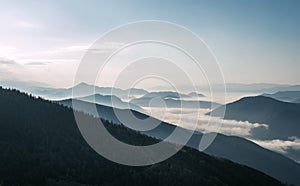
(254,41)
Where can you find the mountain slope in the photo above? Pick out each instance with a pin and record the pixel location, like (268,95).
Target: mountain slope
(165,94)
(282,88)
(195,94)
(282,117)
(287,96)
(173,103)
(110,100)
(41,145)
(234,148)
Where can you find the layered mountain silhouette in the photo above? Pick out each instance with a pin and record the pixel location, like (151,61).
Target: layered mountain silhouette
(281,117)
(239,87)
(80,90)
(282,88)
(287,96)
(173,103)
(234,148)
(165,94)
(41,145)
(170,94)
(110,100)
(260,87)
(195,94)
(172,100)
(35,87)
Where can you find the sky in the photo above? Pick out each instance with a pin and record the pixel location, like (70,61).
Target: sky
(254,41)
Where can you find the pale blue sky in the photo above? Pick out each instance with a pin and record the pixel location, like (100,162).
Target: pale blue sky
(254,41)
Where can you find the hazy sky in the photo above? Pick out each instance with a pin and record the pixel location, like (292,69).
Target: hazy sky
(254,41)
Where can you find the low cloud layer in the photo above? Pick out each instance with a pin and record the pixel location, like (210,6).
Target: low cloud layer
(188,118)
(281,146)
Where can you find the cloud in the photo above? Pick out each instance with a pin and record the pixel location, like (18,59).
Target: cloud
(281,146)
(45,61)
(74,48)
(8,62)
(188,118)
(8,68)
(54,61)
(36,63)
(106,47)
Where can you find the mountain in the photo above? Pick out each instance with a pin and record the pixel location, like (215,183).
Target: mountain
(41,145)
(110,100)
(165,94)
(287,96)
(50,93)
(170,94)
(172,102)
(233,148)
(84,89)
(282,117)
(195,94)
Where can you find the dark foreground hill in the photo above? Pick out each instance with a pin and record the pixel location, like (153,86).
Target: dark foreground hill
(41,145)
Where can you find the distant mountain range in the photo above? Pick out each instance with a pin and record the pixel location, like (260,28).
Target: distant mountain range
(260,87)
(195,95)
(81,90)
(57,93)
(239,87)
(84,90)
(165,94)
(284,88)
(170,94)
(41,145)
(173,100)
(174,103)
(110,100)
(287,96)
(21,85)
(234,148)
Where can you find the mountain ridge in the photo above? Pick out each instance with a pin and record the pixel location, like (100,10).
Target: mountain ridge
(282,117)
